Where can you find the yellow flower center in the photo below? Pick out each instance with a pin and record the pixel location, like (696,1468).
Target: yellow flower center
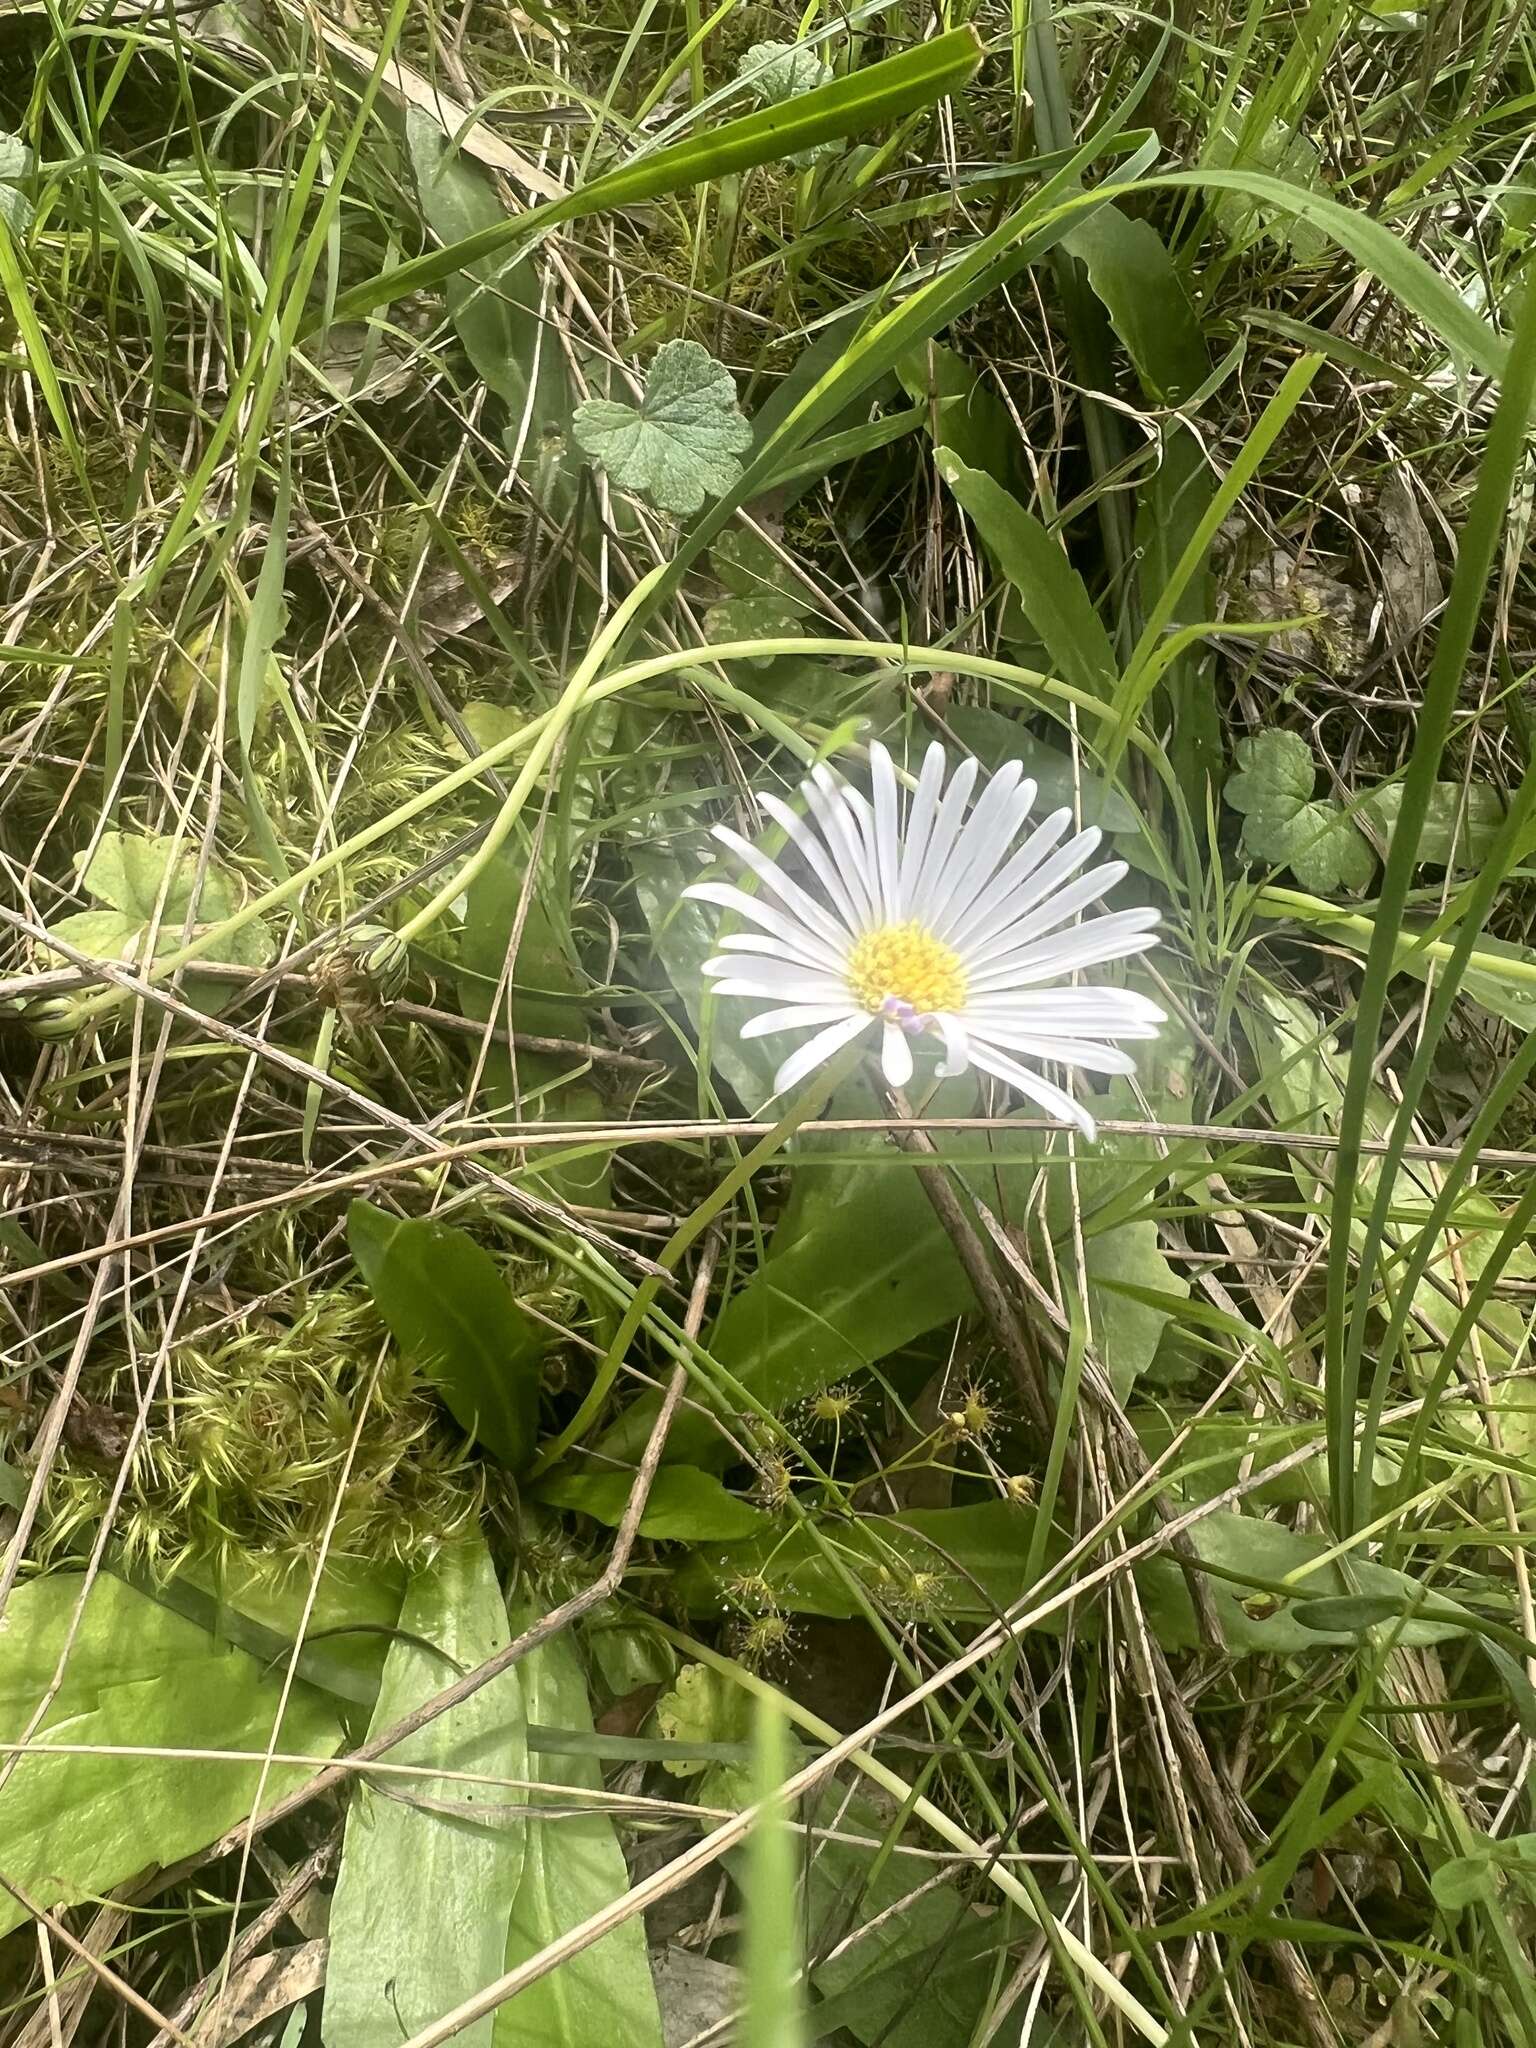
(905,962)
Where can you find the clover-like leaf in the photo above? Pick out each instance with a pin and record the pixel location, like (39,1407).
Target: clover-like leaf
(775,72)
(681,443)
(127,875)
(1283,822)
(764,602)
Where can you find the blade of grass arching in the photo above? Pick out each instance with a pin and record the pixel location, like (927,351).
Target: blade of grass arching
(1503,858)
(911,80)
(1503,453)
(1144,667)
(775,2001)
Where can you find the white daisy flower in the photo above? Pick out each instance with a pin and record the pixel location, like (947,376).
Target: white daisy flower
(938,926)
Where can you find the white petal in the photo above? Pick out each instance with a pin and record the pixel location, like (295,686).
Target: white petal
(887,831)
(1092,1012)
(789,892)
(1040,1091)
(779,981)
(818,1050)
(1050,882)
(982,845)
(946,824)
(957,1047)
(925,801)
(814,847)
(896,1056)
(845,844)
(796,1017)
(767,916)
(1063,1052)
(1063,953)
(767,947)
(978,916)
(1060,905)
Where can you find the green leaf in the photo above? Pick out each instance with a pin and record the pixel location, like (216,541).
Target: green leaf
(1054,596)
(126,874)
(749,567)
(702,1706)
(914,1976)
(963,413)
(1459,827)
(494,304)
(76,1826)
(964,1562)
(684,936)
(419,1915)
(914,78)
(1348,1612)
(572,1868)
(685,1505)
(776,73)
(450,1311)
(869,1270)
(1462,1882)
(682,442)
(1282,822)
(1131,271)
(751,618)
(16,162)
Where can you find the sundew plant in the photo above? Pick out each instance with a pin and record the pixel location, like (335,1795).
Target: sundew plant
(767,1024)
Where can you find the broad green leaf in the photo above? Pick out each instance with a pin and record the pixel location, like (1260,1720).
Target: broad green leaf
(952,1562)
(1127,1328)
(752,618)
(1265,1551)
(869,1270)
(749,567)
(572,1868)
(75,1826)
(1284,823)
(126,874)
(684,1505)
(1459,828)
(494,305)
(449,1309)
(683,441)
(914,78)
(1132,273)
(918,1978)
(419,1915)
(1054,596)
(775,73)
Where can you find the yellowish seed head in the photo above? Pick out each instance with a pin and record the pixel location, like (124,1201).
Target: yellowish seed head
(909,963)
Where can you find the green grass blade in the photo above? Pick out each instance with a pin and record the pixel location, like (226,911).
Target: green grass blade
(914,79)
